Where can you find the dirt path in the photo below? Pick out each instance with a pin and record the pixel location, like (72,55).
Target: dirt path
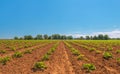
(77,65)
(59,62)
(24,64)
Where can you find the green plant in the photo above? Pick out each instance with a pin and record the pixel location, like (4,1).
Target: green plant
(7,46)
(33,49)
(45,57)
(52,49)
(89,67)
(17,54)
(4,60)
(98,52)
(28,51)
(2,51)
(75,52)
(107,55)
(92,49)
(40,65)
(117,51)
(110,49)
(118,61)
(49,53)
(80,57)
(26,46)
(13,49)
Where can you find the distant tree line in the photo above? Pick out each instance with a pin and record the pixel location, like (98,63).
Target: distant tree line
(99,37)
(44,37)
(64,37)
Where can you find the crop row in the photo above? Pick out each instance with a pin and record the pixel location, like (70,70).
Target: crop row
(18,54)
(75,52)
(40,65)
(107,54)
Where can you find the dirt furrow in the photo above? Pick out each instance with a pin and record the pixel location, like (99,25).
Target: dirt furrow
(24,64)
(101,64)
(77,65)
(10,53)
(59,62)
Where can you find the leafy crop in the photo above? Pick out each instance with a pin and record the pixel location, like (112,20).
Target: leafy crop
(98,52)
(45,57)
(110,49)
(75,52)
(118,61)
(13,49)
(4,60)
(92,49)
(80,57)
(107,55)
(117,51)
(27,51)
(2,51)
(40,65)
(17,54)
(89,67)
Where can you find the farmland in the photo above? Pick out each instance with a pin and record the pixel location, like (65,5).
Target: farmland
(59,56)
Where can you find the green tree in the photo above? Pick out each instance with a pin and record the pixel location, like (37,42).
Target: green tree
(100,37)
(69,37)
(81,38)
(87,38)
(28,37)
(106,37)
(63,37)
(55,36)
(39,37)
(16,38)
(45,36)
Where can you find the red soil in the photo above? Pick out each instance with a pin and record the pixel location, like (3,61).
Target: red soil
(62,61)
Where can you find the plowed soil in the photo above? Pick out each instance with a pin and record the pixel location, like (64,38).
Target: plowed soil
(24,64)
(62,61)
(103,66)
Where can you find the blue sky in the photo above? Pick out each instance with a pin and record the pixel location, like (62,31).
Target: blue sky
(24,17)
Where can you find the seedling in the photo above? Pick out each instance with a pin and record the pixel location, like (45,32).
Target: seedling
(98,52)
(92,49)
(13,49)
(75,52)
(52,49)
(26,46)
(89,67)
(80,57)
(4,60)
(28,52)
(3,51)
(17,54)
(40,65)
(45,57)
(118,61)
(110,49)
(117,51)
(107,55)
(49,53)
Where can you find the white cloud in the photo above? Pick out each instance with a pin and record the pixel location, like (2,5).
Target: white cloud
(111,34)
(76,35)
